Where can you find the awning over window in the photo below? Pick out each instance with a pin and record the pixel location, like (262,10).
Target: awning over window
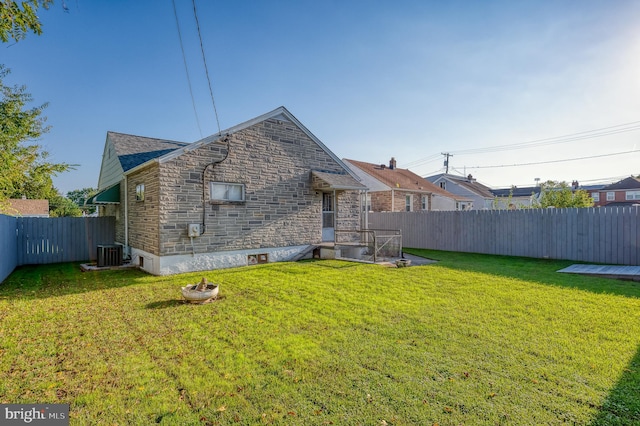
(111,195)
(326,180)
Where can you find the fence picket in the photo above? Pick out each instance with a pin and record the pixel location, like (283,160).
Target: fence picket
(602,235)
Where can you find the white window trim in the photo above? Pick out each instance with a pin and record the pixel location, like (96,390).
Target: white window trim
(409,199)
(228,186)
(611,196)
(424,202)
(595,196)
(632,195)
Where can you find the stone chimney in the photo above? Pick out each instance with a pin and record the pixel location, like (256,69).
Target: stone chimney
(392,163)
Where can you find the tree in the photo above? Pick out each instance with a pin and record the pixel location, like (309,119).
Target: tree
(17,19)
(79,196)
(24,168)
(560,195)
(60,206)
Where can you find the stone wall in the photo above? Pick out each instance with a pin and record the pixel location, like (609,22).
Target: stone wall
(273,159)
(143,215)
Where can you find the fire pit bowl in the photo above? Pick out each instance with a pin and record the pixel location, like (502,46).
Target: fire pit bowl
(402,263)
(200,293)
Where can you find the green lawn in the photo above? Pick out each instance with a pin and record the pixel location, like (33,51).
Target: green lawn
(470,340)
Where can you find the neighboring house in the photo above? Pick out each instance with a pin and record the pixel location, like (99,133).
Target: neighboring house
(264,190)
(515,197)
(27,208)
(481,195)
(622,193)
(397,190)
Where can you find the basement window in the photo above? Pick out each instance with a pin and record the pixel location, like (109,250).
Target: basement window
(227,192)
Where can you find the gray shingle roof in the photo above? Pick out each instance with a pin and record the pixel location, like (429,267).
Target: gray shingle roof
(135,150)
(628,183)
(516,192)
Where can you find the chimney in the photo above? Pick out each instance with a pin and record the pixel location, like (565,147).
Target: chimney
(470,178)
(392,163)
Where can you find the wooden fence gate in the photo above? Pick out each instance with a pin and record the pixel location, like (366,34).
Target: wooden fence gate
(62,239)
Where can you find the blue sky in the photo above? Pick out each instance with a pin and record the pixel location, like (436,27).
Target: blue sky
(371,79)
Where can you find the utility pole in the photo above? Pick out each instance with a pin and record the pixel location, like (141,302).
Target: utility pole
(446,161)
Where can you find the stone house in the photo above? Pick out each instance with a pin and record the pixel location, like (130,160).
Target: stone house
(392,189)
(262,191)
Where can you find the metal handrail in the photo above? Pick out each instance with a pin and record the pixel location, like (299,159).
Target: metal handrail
(371,235)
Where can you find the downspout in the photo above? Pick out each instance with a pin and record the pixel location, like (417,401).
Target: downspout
(126,218)
(204,186)
(393,200)
(335,214)
(363,207)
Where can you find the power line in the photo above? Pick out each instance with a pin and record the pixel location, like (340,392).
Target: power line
(552,161)
(572,137)
(186,68)
(206,69)
(551,141)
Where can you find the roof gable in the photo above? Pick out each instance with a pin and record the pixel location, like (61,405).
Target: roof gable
(467,183)
(135,150)
(280,113)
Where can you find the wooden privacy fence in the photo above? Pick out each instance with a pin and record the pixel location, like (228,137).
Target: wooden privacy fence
(62,239)
(601,235)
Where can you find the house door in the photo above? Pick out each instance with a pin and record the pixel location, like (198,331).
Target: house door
(328,216)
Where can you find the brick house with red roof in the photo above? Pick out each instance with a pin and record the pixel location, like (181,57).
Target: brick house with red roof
(392,189)
(625,192)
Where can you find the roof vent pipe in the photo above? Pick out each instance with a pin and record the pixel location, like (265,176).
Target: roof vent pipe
(392,163)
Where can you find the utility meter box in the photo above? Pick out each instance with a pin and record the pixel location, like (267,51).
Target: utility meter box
(194,230)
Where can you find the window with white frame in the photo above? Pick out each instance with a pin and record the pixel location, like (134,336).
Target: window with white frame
(229,192)
(611,196)
(367,202)
(408,203)
(443,185)
(595,196)
(140,192)
(424,202)
(633,195)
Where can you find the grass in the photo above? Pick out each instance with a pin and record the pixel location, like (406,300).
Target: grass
(470,340)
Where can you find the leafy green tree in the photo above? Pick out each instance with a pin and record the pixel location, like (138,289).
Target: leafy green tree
(16,19)
(60,206)
(24,166)
(78,196)
(560,195)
